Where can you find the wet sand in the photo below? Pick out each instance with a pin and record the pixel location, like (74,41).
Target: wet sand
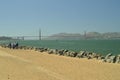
(32,65)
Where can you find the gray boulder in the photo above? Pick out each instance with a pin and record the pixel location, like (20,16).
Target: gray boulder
(113,59)
(52,51)
(118,59)
(60,52)
(71,54)
(81,54)
(100,57)
(110,58)
(85,54)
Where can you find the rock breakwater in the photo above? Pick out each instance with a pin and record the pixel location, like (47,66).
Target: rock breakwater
(109,58)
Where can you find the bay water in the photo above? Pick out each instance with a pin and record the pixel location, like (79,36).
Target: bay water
(98,46)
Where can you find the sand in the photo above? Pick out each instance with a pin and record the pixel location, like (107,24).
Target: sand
(32,65)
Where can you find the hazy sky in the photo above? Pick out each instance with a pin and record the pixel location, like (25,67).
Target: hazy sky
(25,17)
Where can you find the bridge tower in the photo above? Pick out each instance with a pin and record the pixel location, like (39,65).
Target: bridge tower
(40,34)
(85,35)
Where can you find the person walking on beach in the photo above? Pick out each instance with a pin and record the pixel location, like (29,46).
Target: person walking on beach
(10,45)
(15,45)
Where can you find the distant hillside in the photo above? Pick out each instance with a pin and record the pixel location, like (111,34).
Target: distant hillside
(5,38)
(89,35)
(65,36)
(113,35)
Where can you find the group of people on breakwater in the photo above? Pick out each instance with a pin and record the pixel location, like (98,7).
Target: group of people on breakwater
(13,45)
(82,54)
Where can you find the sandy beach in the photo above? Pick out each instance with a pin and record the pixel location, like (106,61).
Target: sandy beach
(32,65)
